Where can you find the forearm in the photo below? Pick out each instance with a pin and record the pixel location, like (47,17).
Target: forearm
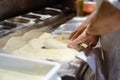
(107,20)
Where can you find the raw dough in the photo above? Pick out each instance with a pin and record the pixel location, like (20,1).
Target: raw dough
(57,47)
(53,41)
(51,54)
(54,44)
(15,43)
(32,34)
(4,40)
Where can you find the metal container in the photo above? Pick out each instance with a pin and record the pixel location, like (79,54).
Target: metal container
(33,67)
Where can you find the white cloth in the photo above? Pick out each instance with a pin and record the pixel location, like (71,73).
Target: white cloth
(115,3)
(110,45)
(98,3)
(110,50)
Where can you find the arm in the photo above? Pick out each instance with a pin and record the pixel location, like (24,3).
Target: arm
(107,20)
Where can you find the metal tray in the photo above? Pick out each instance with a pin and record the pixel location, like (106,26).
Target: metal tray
(33,67)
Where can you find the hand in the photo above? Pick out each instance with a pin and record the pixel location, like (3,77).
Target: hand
(77,32)
(80,35)
(84,37)
(81,28)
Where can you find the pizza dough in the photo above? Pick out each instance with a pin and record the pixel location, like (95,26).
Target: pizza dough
(54,44)
(55,47)
(32,34)
(15,43)
(4,39)
(51,54)
(54,41)
(57,51)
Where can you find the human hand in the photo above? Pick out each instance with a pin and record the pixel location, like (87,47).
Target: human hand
(84,37)
(77,31)
(82,27)
(80,34)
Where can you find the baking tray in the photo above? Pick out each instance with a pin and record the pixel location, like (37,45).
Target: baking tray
(69,26)
(30,66)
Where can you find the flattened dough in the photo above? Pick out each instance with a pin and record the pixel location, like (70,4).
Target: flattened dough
(51,54)
(54,44)
(57,48)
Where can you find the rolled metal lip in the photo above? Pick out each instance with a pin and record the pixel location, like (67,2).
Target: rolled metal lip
(51,12)
(7,25)
(31,16)
(18,20)
(31,19)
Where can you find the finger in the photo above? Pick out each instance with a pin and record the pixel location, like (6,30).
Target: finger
(72,34)
(78,33)
(78,40)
